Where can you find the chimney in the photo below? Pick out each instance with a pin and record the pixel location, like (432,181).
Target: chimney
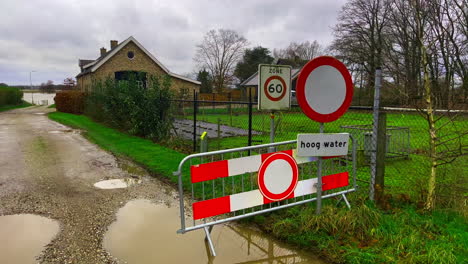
(103,51)
(113,44)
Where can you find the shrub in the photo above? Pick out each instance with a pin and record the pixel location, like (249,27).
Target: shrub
(10,96)
(70,102)
(142,110)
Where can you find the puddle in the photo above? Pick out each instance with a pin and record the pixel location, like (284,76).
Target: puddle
(59,131)
(23,237)
(146,233)
(116,183)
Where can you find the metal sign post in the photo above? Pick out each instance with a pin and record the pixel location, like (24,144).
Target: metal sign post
(324,91)
(318,209)
(272,130)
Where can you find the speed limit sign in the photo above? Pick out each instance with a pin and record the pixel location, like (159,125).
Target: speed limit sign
(274,87)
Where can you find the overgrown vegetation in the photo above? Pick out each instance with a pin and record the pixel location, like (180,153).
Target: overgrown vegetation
(10,107)
(10,96)
(70,102)
(139,108)
(366,234)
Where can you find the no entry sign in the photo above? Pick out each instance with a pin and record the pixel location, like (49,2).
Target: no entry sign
(274,87)
(324,89)
(278,176)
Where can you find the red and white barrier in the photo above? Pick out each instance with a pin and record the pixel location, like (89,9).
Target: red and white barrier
(233,167)
(244,200)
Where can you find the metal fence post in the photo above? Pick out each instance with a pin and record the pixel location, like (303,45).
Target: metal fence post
(380,154)
(249,142)
(378,78)
(195,98)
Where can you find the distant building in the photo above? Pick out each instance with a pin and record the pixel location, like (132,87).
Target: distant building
(129,57)
(250,85)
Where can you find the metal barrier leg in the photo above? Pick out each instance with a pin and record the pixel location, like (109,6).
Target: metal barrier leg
(346,200)
(343,198)
(208,238)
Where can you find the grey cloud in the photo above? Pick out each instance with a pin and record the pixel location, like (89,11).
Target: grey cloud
(51,35)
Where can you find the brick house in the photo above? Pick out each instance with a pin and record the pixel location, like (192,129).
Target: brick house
(129,57)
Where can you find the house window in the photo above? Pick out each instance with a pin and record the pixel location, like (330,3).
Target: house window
(130,55)
(138,77)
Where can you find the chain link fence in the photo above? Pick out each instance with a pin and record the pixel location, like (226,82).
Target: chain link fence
(230,124)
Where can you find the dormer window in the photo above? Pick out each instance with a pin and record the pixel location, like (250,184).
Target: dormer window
(130,55)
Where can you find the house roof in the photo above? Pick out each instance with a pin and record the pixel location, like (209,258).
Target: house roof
(253,80)
(94,65)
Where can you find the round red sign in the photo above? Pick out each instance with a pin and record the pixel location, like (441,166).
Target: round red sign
(278,176)
(324,89)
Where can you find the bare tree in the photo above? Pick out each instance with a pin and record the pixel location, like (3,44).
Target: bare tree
(304,50)
(445,147)
(69,83)
(360,36)
(219,52)
(47,87)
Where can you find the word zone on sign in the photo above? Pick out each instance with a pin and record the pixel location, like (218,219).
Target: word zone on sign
(278,179)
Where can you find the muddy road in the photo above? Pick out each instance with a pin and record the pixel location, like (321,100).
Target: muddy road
(49,170)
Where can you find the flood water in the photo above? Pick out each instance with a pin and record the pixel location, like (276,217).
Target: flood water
(116,183)
(37,98)
(145,232)
(23,237)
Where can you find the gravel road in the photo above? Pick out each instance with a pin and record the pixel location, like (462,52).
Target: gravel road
(49,169)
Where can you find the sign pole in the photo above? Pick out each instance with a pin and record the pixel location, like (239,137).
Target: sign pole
(319,179)
(272,130)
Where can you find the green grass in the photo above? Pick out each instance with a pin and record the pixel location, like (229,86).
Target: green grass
(10,107)
(51,106)
(366,234)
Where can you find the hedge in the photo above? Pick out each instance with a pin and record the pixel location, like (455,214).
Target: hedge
(72,102)
(10,96)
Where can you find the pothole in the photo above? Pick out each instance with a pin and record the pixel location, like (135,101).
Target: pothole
(116,183)
(24,236)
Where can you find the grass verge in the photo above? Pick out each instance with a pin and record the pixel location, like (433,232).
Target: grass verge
(10,107)
(156,158)
(365,234)
(51,106)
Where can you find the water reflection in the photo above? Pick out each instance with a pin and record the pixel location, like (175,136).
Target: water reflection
(145,233)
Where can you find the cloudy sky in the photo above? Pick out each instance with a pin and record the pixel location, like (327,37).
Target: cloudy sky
(49,36)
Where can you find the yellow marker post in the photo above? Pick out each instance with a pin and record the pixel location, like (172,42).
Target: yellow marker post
(203,142)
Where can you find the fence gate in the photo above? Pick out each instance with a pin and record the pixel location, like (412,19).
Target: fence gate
(231,184)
